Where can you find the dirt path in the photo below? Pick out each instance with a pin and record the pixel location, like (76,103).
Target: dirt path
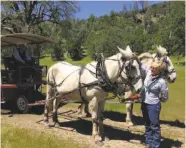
(80,130)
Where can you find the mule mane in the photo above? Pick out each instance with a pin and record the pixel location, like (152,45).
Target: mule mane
(135,57)
(145,55)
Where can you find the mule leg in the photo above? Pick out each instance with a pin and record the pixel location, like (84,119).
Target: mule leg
(54,112)
(48,105)
(46,111)
(83,110)
(86,110)
(93,105)
(129,108)
(79,110)
(101,106)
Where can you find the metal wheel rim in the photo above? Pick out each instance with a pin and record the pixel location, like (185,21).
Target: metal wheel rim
(21,103)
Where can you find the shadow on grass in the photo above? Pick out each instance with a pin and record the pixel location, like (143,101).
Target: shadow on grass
(7,109)
(115,116)
(138,120)
(39,110)
(85,127)
(168,143)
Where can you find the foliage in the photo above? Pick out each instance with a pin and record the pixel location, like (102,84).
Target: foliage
(162,24)
(47,18)
(76,38)
(23,16)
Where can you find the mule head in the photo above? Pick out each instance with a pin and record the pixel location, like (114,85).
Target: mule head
(170,72)
(131,69)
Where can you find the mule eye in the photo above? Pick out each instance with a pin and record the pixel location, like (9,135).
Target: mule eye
(123,59)
(133,67)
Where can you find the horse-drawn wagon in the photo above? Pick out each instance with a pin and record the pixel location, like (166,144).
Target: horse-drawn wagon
(21,86)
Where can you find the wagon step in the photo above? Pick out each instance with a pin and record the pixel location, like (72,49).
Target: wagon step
(37,103)
(3,102)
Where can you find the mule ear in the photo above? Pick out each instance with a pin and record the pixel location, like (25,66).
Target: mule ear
(129,53)
(128,49)
(121,50)
(126,53)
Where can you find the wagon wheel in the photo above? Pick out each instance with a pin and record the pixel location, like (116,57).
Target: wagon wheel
(22,104)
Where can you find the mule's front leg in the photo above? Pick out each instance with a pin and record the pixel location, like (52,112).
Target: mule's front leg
(129,108)
(93,105)
(83,111)
(100,118)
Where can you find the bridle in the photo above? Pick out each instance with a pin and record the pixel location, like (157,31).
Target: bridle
(128,72)
(164,59)
(102,76)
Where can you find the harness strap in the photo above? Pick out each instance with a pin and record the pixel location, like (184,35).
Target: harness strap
(102,76)
(80,93)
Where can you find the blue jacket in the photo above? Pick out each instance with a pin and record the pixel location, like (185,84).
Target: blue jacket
(155,88)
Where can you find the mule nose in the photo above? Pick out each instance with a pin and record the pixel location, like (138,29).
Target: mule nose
(170,80)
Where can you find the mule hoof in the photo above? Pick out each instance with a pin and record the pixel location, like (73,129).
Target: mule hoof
(130,123)
(106,138)
(47,125)
(57,124)
(88,115)
(84,115)
(100,143)
(97,138)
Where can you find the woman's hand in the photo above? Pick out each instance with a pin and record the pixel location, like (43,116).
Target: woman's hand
(134,97)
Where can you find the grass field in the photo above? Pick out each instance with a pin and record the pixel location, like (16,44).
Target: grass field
(13,137)
(172,110)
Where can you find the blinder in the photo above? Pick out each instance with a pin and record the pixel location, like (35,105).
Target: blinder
(128,68)
(166,71)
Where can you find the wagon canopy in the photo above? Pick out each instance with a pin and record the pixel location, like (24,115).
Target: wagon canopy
(23,38)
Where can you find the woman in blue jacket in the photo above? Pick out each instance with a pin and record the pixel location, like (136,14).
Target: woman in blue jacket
(155,90)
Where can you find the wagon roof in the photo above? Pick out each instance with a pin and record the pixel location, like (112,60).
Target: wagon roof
(23,38)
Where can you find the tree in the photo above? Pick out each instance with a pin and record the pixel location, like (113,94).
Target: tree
(76,39)
(105,41)
(22,16)
(48,18)
(144,4)
(124,8)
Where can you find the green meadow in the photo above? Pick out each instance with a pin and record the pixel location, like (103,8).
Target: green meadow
(14,137)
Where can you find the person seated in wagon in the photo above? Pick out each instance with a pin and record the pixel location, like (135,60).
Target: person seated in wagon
(21,56)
